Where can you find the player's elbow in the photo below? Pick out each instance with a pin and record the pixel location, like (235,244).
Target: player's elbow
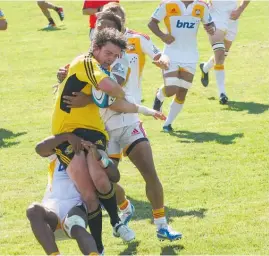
(115,178)
(39,149)
(151,25)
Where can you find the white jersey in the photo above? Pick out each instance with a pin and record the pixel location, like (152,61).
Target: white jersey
(61,194)
(139,45)
(130,67)
(182,23)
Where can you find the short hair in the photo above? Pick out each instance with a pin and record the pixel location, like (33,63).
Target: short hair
(115,8)
(102,37)
(107,15)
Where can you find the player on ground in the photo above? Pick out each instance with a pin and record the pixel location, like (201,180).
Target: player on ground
(3,21)
(45,6)
(91,8)
(126,134)
(225,15)
(62,213)
(182,19)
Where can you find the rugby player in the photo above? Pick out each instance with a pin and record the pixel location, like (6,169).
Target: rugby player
(62,213)
(127,134)
(45,6)
(3,21)
(182,19)
(225,15)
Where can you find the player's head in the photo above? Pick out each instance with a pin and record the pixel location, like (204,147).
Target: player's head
(116,9)
(108,20)
(107,45)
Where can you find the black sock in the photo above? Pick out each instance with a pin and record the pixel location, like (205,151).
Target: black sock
(95,225)
(109,202)
(51,21)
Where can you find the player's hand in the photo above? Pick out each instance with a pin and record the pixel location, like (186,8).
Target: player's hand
(210,28)
(76,142)
(163,62)
(235,14)
(150,112)
(159,116)
(167,38)
(79,100)
(89,146)
(62,73)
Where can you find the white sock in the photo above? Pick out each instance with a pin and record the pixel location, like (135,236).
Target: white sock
(220,77)
(160,94)
(128,207)
(209,64)
(175,108)
(160,222)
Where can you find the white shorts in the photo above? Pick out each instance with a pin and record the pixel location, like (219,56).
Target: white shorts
(225,24)
(122,140)
(61,209)
(91,33)
(188,67)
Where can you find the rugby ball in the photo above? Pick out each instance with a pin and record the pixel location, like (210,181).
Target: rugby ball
(101,99)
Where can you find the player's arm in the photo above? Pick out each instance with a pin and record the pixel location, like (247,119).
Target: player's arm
(47,146)
(237,13)
(89,9)
(104,161)
(3,21)
(153,25)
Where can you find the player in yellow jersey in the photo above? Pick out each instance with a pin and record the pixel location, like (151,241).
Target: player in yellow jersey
(62,213)
(84,73)
(3,21)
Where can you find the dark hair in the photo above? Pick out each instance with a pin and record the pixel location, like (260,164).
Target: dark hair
(102,37)
(114,7)
(108,15)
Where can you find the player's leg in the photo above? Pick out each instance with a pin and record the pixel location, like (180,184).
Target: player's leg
(140,153)
(185,81)
(114,152)
(169,88)
(107,197)
(43,223)
(78,172)
(75,224)
(44,6)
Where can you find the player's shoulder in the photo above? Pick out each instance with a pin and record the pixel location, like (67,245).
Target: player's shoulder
(135,33)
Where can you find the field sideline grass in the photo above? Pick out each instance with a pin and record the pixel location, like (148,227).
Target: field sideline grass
(214,168)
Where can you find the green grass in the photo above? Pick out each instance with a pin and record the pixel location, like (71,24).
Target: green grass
(214,169)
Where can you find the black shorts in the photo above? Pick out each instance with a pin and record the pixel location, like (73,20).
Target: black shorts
(65,151)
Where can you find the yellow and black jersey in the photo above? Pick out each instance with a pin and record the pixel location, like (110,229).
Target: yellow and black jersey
(84,73)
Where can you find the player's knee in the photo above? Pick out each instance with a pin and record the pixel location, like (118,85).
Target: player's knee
(71,222)
(219,51)
(41,4)
(34,211)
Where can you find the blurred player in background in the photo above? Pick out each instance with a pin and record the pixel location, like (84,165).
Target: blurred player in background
(182,19)
(91,8)
(225,15)
(45,6)
(3,21)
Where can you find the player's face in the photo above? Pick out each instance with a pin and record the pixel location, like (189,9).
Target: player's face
(101,24)
(107,54)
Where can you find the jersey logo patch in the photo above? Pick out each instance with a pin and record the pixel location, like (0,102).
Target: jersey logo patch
(185,24)
(99,142)
(135,132)
(69,150)
(118,68)
(131,47)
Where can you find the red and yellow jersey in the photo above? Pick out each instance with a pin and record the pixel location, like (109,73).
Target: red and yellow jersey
(139,45)
(182,23)
(84,73)
(95,4)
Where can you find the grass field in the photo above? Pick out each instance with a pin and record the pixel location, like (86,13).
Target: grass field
(214,168)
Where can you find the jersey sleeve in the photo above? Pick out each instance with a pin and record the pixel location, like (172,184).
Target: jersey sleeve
(160,13)
(92,73)
(149,48)
(120,67)
(89,4)
(2,16)
(207,17)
